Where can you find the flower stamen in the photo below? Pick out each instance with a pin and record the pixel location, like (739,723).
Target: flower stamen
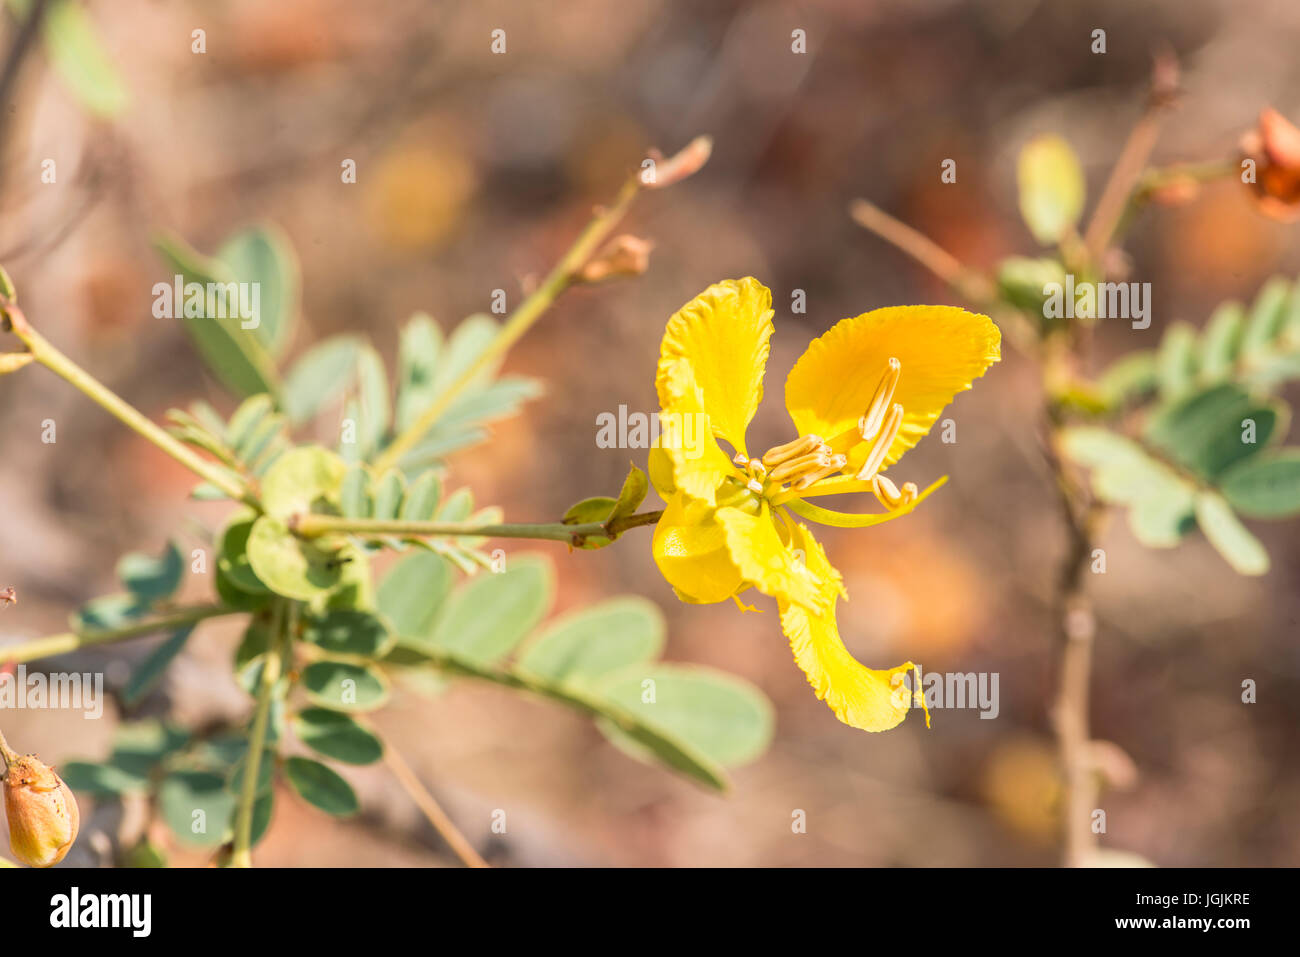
(870,423)
(799,448)
(888,494)
(883,441)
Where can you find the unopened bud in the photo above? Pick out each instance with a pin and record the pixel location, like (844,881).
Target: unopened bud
(624,255)
(676,168)
(42,812)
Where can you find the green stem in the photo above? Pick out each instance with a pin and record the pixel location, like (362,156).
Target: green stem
(54,360)
(530,310)
(241,855)
(313,526)
(7,753)
(73,640)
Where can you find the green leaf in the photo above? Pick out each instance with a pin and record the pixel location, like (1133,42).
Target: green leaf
(106,612)
(354,494)
(1211,430)
(417,357)
(321,787)
(293,567)
(1221,343)
(152,579)
(1176,361)
(595,642)
(349,632)
(1239,547)
(337,736)
(196,806)
(235,597)
(1051,188)
(724,718)
(1129,378)
(413,592)
(458,507)
(250,414)
(263,256)
(421,500)
(633,493)
(598,508)
(78,58)
(306,479)
(138,748)
(145,854)
(487,617)
(232,553)
(374,411)
(265,772)
(342,686)
(1267,486)
(233,354)
(1267,316)
(263,808)
(388,494)
(148,672)
(1159,499)
(321,375)
(1163,521)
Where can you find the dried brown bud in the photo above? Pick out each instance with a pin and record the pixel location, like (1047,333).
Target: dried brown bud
(42,812)
(665,172)
(624,255)
(1166,78)
(8,597)
(1274,146)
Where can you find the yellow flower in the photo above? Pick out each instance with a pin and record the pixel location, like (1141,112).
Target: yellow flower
(860,396)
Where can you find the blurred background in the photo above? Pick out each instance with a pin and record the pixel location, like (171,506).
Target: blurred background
(474,172)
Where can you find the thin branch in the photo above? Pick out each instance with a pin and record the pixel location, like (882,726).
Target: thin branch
(314,526)
(13,320)
(530,310)
(272,664)
(68,641)
(431,809)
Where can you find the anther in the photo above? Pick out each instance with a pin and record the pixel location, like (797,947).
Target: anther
(800,447)
(795,467)
(889,495)
(869,424)
(836,463)
(883,441)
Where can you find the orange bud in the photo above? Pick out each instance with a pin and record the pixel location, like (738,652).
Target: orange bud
(42,812)
(676,168)
(1274,145)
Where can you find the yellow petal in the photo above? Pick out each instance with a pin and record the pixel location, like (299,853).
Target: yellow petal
(723,335)
(697,463)
(942,350)
(690,548)
(768,563)
(860,696)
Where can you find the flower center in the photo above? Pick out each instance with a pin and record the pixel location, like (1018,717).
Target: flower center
(810,458)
